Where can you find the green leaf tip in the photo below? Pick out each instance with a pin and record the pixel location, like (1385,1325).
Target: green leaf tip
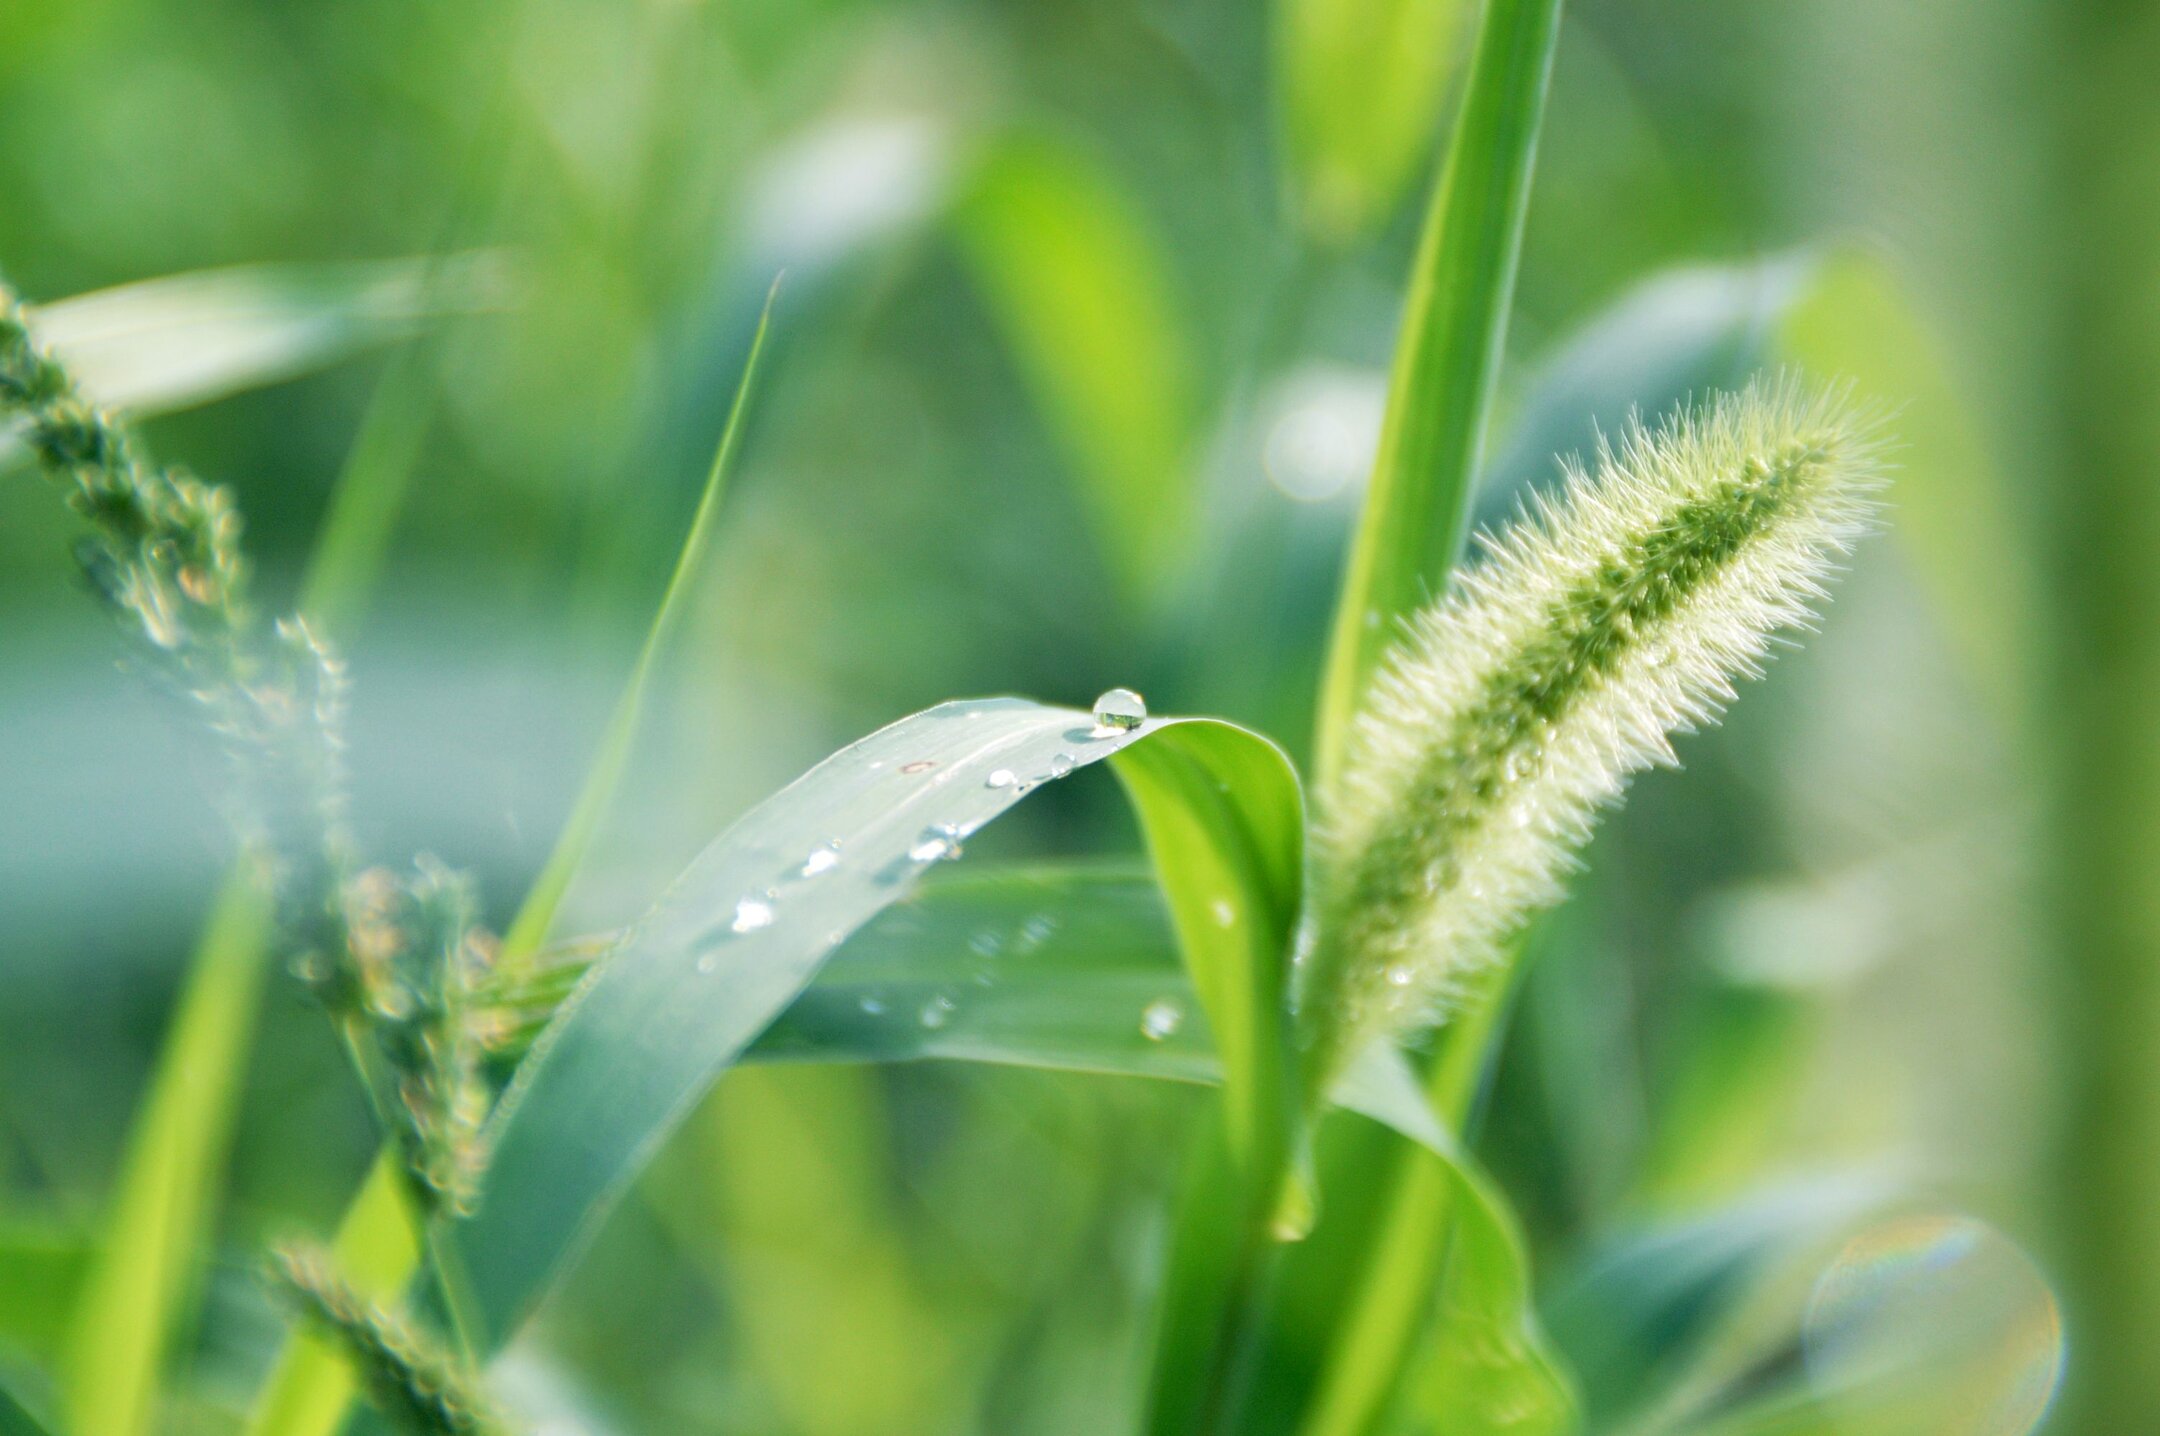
(420,1389)
(1516,708)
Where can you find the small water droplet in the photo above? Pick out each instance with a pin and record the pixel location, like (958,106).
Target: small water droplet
(1161,1019)
(1398,975)
(986,943)
(1519,764)
(937,1012)
(1036,930)
(1118,711)
(751,914)
(935,845)
(1000,778)
(920,765)
(1061,765)
(1224,912)
(822,859)
(871,1006)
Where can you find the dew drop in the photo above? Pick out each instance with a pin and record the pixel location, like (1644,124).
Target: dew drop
(1161,1019)
(1519,765)
(751,914)
(1061,765)
(985,943)
(937,1012)
(871,1006)
(1000,778)
(935,845)
(707,963)
(1398,975)
(1036,931)
(1224,912)
(822,859)
(1118,711)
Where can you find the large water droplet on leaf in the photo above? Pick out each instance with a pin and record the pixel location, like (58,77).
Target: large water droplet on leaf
(1119,710)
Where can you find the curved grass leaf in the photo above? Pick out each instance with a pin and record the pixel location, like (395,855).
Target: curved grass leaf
(1085,296)
(740,934)
(16,1418)
(1361,85)
(1453,328)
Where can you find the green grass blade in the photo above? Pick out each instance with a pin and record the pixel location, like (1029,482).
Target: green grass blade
(124,1315)
(311,1385)
(1085,296)
(135,1296)
(1446,1237)
(1224,822)
(1453,329)
(530,928)
(739,936)
(1361,84)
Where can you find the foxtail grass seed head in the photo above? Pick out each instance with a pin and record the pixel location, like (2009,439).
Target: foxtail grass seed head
(1517,707)
(407,1375)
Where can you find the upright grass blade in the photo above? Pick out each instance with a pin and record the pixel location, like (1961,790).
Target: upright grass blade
(310,1387)
(1085,296)
(1361,84)
(537,914)
(125,1315)
(740,934)
(1453,328)
(1225,825)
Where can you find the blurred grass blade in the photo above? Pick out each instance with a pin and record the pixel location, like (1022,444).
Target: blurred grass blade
(165,344)
(124,1316)
(133,1299)
(530,928)
(1678,335)
(309,1392)
(1454,325)
(740,934)
(1954,514)
(1085,295)
(1361,84)
(1224,823)
(311,1385)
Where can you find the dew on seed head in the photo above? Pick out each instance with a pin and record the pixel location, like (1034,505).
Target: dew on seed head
(1161,1019)
(1000,778)
(1398,975)
(1118,711)
(751,914)
(822,859)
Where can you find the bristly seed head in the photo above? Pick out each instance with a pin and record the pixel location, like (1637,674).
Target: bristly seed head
(1520,704)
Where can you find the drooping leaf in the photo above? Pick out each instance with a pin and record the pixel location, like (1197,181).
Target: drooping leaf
(1361,84)
(1084,295)
(740,934)
(1446,361)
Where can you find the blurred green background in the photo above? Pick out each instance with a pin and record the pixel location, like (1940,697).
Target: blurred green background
(1076,365)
